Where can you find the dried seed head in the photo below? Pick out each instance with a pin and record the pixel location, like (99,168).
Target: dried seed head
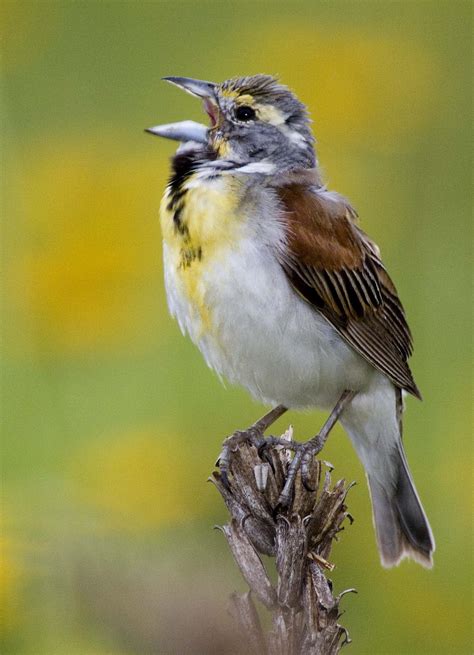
(249,563)
(300,537)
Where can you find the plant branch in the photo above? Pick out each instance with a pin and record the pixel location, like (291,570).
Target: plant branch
(304,612)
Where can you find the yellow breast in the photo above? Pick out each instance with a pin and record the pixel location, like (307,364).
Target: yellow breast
(199,224)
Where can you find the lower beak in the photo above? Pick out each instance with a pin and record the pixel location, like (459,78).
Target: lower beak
(182,131)
(189,130)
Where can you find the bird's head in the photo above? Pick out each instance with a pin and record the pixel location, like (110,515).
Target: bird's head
(253,120)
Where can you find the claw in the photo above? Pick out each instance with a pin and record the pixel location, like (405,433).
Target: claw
(223,463)
(253,435)
(269,461)
(263,454)
(305,472)
(285,499)
(278,510)
(307,486)
(230,446)
(225,479)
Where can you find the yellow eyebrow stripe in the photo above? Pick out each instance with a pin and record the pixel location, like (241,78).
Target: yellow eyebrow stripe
(245,100)
(268,113)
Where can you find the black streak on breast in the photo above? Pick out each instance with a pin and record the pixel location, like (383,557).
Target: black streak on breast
(183,165)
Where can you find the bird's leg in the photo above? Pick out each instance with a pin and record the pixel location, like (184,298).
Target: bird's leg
(304,452)
(253,434)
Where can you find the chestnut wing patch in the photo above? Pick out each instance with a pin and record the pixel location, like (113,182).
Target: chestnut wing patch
(333,265)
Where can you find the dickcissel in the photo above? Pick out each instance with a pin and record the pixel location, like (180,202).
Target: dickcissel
(269,274)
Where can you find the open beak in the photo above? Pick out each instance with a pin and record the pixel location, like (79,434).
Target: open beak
(182,131)
(190,130)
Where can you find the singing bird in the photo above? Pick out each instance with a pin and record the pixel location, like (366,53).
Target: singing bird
(270,275)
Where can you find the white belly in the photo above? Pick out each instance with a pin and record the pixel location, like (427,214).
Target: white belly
(263,336)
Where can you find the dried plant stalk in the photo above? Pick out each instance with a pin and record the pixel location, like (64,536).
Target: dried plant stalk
(304,611)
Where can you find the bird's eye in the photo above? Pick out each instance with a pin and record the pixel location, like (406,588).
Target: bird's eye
(244,113)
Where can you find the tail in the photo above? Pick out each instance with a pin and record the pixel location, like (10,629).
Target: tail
(400,521)
(373,422)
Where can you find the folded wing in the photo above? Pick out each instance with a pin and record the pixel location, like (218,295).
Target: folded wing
(335,267)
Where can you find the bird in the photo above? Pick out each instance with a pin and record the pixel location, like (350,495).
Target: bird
(270,275)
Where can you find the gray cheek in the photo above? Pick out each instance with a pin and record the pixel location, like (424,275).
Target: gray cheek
(262,141)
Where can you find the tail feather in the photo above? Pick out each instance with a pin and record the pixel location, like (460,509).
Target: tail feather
(401,525)
(373,422)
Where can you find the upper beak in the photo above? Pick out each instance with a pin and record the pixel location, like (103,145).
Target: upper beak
(189,130)
(198,88)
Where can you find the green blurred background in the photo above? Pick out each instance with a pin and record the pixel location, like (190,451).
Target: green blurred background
(111,420)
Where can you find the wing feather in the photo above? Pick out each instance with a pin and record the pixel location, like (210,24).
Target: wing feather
(335,267)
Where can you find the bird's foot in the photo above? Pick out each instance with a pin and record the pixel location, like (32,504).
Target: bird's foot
(303,456)
(304,453)
(253,435)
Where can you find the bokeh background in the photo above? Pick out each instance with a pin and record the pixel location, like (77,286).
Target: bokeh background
(111,420)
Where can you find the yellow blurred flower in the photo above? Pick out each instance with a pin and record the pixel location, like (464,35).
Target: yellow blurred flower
(364,88)
(142,481)
(11,575)
(85,268)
